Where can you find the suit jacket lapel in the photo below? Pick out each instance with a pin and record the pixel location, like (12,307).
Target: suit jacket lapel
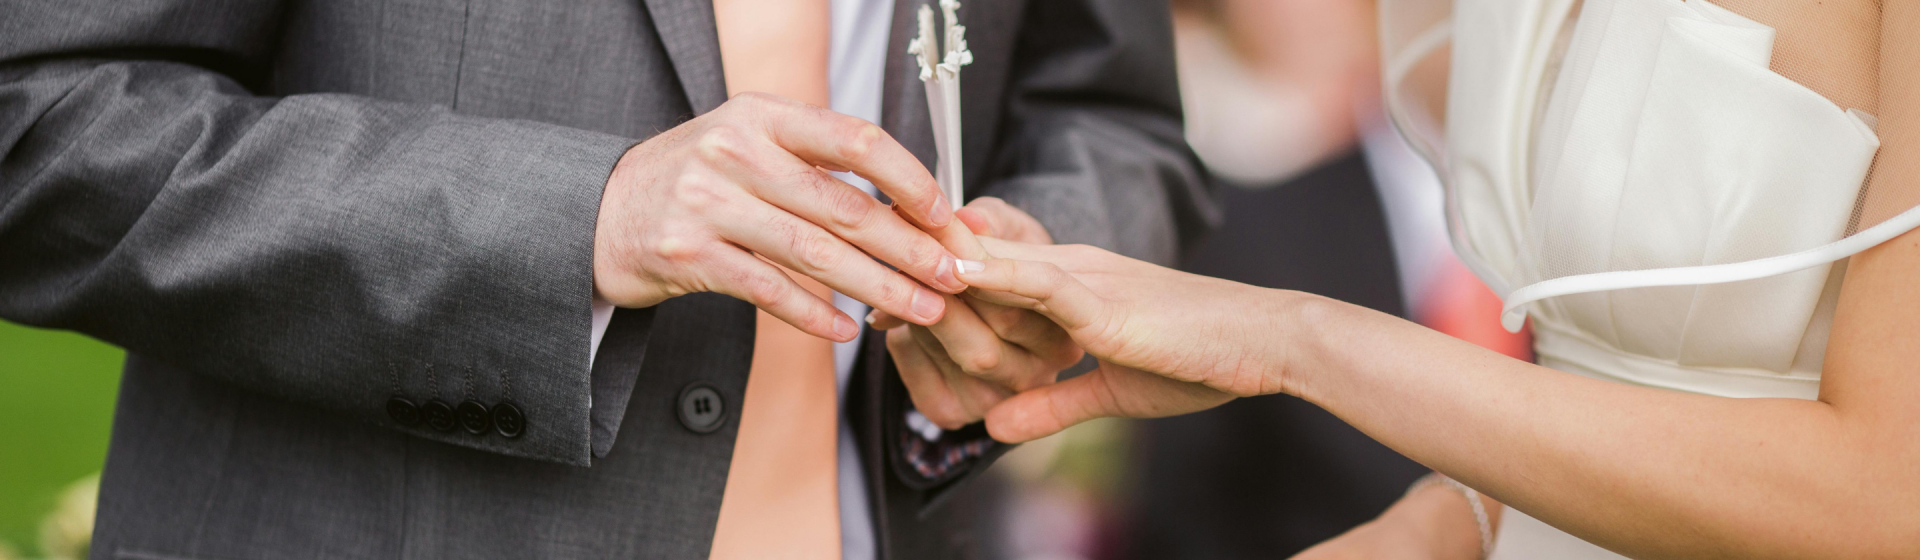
(687,30)
(903,98)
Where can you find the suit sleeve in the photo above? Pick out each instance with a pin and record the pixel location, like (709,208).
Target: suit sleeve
(333,250)
(1091,144)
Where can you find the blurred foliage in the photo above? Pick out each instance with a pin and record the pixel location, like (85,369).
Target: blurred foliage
(56,408)
(1089,458)
(1093,457)
(67,532)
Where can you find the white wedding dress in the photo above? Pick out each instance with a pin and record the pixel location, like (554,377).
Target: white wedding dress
(1632,178)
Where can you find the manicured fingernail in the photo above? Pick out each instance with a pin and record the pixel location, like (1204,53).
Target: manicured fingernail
(944,274)
(873,317)
(843,328)
(926,304)
(940,213)
(971,267)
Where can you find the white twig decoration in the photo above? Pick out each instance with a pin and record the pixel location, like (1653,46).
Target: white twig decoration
(940,70)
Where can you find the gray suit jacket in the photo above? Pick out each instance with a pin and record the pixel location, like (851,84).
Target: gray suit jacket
(312,223)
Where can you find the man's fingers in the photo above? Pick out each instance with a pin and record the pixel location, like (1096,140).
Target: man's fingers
(1106,391)
(992,217)
(809,250)
(926,385)
(848,213)
(837,141)
(1036,334)
(977,350)
(958,240)
(1046,410)
(974,395)
(880,320)
(1064,298)
(977,222)
(736,273)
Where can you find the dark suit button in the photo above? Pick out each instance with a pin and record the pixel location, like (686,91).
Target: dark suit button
(508,420)
(438,415)
(403,412)
(701,408)
(474,417)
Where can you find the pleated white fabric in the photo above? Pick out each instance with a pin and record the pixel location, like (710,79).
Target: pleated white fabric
(1631,176)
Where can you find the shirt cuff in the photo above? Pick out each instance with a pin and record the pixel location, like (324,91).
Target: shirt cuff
(602,315)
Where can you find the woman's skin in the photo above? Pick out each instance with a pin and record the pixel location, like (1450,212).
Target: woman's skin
(1433,521)
(1645,472)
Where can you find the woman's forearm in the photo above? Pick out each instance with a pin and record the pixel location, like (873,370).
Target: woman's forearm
(1643,471)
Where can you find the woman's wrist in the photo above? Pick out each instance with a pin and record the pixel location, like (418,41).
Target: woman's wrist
(1294,336)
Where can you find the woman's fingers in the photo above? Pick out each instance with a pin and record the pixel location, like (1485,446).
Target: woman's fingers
(736,273)
(1012,249)
(1006,299)
(1065,299)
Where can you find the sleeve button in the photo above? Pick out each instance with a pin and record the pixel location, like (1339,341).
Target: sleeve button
(474,417)
(403,412)
(438,415)
(508,421)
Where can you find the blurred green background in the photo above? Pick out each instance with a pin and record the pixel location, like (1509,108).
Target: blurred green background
(56,406)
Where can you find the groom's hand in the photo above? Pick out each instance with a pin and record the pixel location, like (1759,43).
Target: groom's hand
(980,352)
(696,208)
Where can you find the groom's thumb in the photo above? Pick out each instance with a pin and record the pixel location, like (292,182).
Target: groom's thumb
(1046,410)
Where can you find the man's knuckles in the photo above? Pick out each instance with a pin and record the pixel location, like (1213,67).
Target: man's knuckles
(721,144)
(701,191)
(848,209)
(814,253)
(678,249)
(979,362)
(856,139)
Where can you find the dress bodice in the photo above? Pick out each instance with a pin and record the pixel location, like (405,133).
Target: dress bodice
(1591,147)
(1600,140)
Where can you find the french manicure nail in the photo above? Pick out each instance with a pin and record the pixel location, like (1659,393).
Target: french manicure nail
(971,267)
(843,327)
(926,304)
(873,316)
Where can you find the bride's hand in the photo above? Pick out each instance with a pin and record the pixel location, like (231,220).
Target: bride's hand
(1432,522)
(1168,342)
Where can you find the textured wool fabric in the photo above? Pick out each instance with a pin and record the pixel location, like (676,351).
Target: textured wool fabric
(290,213)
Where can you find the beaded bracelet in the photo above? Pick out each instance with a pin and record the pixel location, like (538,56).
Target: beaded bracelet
(1473,499)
